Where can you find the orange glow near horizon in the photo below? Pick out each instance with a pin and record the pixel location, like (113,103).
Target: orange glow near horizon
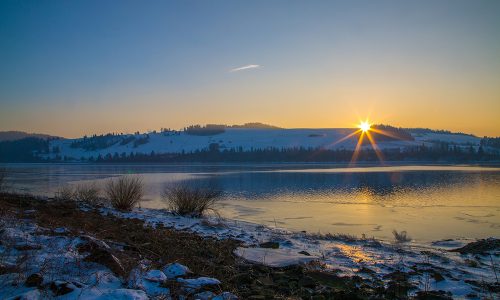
(366,129)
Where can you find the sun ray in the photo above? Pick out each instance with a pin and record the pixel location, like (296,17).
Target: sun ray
(383,132)
(355,154)
(375,147)
(346,137)
(365,128)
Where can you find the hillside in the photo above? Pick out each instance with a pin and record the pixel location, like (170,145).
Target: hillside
(18,135)
(194,139)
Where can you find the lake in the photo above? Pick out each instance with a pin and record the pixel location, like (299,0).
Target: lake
(429,202)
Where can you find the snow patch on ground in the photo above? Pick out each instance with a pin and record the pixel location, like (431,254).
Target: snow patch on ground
(346,256)
(273,257)
(61,272)
(57,259)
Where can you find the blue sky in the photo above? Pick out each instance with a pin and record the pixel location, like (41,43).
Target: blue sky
(81,67)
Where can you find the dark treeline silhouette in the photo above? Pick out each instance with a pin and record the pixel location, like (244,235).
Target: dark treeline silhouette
(23,150)
(255,125)
(37,150)
(19,135)
(491,142)
(103,141)
(214,129)
(209,129)
(428,130)
(440,152)
(96,142)
(389,133)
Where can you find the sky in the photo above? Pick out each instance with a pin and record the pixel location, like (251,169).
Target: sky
(71,68)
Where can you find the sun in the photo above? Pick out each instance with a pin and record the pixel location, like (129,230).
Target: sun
(364,126)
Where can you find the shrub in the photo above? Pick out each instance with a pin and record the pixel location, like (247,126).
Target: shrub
(125,192)
(3,175)
(401,237)
(87,194)
(191,201)
(65,192)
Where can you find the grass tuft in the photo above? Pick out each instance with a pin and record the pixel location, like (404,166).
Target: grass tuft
(191,201)
(88,193)
(125,192)
(401,237)
(65,193)
(3,175)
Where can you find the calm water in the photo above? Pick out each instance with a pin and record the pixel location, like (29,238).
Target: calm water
(430,202)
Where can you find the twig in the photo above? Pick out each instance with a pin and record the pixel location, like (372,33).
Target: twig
(493,267)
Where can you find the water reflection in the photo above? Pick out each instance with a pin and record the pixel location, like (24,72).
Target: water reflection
(358,187)
(428,202)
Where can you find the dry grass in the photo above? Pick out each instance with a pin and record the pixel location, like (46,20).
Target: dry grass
(65,192)
(204,256)
(191,201)
(343,237)
(401,237)
(132,242)
(125,192)
(3,175)
(88,194)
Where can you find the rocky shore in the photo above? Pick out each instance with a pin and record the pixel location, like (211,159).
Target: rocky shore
(58,249)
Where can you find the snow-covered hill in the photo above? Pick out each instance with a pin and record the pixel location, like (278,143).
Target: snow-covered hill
(238,139)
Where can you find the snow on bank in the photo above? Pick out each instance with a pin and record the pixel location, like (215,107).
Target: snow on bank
(431,266)
(38,263)
(274,257)
(27,250)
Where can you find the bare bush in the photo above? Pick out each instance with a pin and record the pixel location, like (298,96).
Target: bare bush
(87,194)
(65,192)
(401,237)
(191,201)
(3,175)
(125,192)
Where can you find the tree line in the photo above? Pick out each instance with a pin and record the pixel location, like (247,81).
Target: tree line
(441,152)
(37,150)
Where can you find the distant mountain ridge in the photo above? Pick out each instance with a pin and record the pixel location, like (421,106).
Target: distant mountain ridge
(250,142)
(18,135)
(13,135)
(216,138)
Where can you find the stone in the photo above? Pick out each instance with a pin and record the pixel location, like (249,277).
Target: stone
(206,295)
(155,276)
(33,280)
(480,247)
(175,270)
(105,258)
(199,282)
(272,245)
(60,288)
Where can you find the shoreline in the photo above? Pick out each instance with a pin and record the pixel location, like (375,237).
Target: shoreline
(359,164)
(375,263)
